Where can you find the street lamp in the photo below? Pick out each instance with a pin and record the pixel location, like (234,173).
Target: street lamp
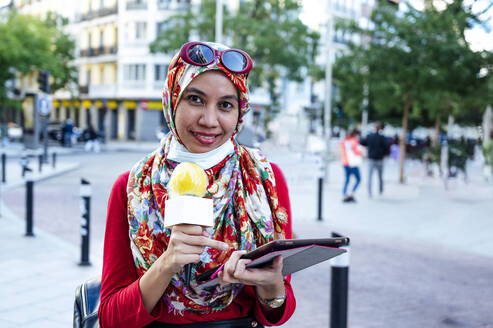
(219,21)
(328,88)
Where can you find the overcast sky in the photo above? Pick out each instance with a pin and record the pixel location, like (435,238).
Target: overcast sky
(479,39)
(313,15)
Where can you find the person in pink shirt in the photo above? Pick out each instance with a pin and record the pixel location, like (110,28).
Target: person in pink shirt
(352,157)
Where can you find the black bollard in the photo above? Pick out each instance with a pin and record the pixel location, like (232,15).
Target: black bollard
(85,193)
(24,161)
(40,163)
(53,159)
(320,197)
(29,201)
(339,288)
(4,167)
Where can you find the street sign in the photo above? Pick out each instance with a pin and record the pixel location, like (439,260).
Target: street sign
(44,104)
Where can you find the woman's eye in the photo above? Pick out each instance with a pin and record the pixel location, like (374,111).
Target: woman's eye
(226,106)
(195,99)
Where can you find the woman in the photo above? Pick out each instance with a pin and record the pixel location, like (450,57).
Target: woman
(352,157)
(204,100)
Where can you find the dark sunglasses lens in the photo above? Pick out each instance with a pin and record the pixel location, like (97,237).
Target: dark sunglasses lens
(235,61)
(200,54)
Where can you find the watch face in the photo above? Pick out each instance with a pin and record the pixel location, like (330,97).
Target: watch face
(277,302)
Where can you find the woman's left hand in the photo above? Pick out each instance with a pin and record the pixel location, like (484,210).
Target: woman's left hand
(268,279)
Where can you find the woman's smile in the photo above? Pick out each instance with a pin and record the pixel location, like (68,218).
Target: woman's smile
(207,113)
(206,138)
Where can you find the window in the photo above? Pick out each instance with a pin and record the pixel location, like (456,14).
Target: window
(160,27)
(88,77)
(163,4)
(101,39)
(160,72)
(134,72)
(101,75)
(140,30)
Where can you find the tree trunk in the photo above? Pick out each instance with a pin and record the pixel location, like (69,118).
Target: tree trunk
(402,142)
(434,140)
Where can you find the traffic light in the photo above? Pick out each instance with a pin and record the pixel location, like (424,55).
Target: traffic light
(44,81)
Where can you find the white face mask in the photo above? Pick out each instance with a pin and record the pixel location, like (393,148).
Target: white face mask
(179,154)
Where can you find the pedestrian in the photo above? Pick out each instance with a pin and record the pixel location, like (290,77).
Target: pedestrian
(205,98)
(92,139)
(378,148)
(352,157)
(67,131)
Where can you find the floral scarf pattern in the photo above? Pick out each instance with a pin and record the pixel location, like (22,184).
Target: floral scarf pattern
(247,213)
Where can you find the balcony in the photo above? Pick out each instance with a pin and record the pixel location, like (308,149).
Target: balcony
(83,89)
(136,5)
(97,13)
(99,51)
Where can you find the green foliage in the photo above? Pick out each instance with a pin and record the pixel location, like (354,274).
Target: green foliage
(420,53)
(269,31)
(28,44)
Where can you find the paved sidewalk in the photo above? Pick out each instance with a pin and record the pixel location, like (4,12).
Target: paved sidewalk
(38,276)
(408,268)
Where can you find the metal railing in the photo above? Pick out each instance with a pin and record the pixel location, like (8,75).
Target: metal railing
(136,5)
(97,13)
(99,51)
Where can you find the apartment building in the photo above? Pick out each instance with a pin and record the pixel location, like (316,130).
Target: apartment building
(120,81)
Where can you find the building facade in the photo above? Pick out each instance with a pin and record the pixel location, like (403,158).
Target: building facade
(120,81)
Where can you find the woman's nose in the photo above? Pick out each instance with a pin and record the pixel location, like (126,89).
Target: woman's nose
(209,117)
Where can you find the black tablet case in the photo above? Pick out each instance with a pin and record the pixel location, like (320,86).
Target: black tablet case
(295,258)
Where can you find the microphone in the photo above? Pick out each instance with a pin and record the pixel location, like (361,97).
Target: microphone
(186,204)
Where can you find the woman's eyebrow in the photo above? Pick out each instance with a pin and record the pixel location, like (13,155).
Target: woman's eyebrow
(195,90)
(233,97)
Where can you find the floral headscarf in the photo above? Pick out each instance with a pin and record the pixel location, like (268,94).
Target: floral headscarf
(242,186)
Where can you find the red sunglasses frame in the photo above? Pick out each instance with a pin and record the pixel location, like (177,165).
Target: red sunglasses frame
(217,53)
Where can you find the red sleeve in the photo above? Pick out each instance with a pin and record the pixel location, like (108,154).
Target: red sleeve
(290,305)
(121,302)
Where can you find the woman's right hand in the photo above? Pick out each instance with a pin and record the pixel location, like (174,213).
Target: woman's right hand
(185,245)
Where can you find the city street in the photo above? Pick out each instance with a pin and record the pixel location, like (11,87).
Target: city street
(421,256)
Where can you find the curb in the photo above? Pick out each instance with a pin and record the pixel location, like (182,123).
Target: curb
(41,177)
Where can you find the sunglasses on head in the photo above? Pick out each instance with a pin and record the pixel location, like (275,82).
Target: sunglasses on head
(202,54)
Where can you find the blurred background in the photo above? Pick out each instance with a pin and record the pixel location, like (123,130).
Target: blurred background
(80,97)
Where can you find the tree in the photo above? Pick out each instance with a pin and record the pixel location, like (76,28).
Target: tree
(269,31)
(28,44)
(418,64)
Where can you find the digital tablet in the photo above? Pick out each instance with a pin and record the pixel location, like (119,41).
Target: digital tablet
(327,248)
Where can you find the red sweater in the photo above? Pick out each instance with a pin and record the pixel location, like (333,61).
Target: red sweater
(121,302)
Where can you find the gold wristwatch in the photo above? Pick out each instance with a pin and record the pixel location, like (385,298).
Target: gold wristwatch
(273,303)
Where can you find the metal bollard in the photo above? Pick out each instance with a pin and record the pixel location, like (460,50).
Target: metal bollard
(53,159)
(85,207)
(339,288)
(321,172)
(29,201)
(40,163)
(320,197)
(4,167)
(24,161)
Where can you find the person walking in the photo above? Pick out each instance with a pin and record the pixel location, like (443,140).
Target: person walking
(143,284)
(92,139)
(378,148)
(67,131)
(352,157)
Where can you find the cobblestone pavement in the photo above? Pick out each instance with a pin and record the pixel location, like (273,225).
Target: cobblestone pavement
(421,256)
